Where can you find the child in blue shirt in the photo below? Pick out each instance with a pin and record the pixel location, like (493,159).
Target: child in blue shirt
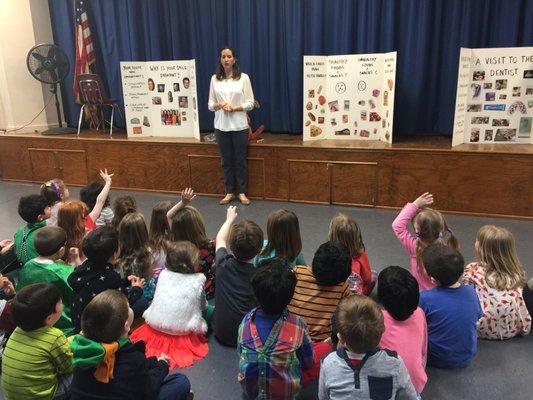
(452,309)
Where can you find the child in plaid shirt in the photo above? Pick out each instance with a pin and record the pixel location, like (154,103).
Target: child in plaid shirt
(274,344)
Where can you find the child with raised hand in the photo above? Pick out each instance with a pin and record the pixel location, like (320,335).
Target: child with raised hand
(345,230)
(174,322)
(121,206)
(135,253)
(56,193)
(452,309)
(430,227)
(107,365)
(37,361)
(97,274)
(89,195)
(405,322)
(320,288)
(358,369)
(235,295)
(33,209)
(159,236)
(498,278)
(49,268)
(186,223)
(284,240)
(273,342)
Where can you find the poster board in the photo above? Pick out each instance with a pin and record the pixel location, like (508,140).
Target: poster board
(494,101)
(160,98)
(349,97)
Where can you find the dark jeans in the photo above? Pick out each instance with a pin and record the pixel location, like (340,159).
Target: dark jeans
(176,386)
(233,150)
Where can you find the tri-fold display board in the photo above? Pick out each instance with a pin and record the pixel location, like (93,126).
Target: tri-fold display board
(349,97)
(494,101)
(160,98)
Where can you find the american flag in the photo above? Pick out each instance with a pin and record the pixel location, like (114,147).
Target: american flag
(84,44)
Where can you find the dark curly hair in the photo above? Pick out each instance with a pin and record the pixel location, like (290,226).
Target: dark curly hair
(398,292)
(30,207)
(273,285)
(89,193)
(331,264)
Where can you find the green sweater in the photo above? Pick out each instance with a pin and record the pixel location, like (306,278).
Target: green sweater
(55,273)
(32,363)
(23,240)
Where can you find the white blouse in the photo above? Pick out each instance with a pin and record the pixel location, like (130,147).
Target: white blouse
(234,92)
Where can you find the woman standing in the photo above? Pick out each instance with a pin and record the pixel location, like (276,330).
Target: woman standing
(230,97)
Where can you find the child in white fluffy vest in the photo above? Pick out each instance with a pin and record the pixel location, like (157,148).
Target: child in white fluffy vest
(175,324)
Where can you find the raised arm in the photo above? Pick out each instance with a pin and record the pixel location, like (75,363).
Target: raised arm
(187,195)
(223,233)
(100,200)
(399,226)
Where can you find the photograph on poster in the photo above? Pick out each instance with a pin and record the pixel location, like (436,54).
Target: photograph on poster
(505,135)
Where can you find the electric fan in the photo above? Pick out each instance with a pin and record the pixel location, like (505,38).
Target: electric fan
(49,64)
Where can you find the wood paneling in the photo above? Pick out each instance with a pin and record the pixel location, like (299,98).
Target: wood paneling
(309,181)
(43,165)
(72,166)
(354,183)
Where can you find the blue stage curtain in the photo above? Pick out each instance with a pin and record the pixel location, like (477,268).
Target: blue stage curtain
(271,36)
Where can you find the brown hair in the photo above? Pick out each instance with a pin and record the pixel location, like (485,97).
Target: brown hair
(182,257)
(432,229)
(53,191)
(188,224)
(159,229)
(122,206)
(104,317)
(360,323)
(496,250)
(220,73)
(283,231)
(71,217)
(343,229)
(49,240)
(135,257)
(245,240)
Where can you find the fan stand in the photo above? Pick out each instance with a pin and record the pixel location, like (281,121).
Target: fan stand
(60,130)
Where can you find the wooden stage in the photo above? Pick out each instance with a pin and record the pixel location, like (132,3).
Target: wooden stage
(471,179)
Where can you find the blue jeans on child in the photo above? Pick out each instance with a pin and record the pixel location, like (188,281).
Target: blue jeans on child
(176,386)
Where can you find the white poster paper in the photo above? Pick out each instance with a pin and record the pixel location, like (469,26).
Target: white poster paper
(160,98)
(494,101)
(349,97)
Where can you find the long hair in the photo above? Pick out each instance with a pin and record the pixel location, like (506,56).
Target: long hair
(283,231)
(135,257)
(188,224)
(71,217)
(159,229)
(496,250)
(220,73)
(182,257)
(343,229)
(432,228)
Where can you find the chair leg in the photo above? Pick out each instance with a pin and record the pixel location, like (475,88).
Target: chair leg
(79,119)
(111,125)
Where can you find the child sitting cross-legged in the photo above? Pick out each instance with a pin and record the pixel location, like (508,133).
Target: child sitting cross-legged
(174,322)
(274,344)
(357,369)
(234,295)
(37,361)
(107,365)
(452,309)
(48,267)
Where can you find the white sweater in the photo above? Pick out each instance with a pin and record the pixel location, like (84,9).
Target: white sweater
(178,304)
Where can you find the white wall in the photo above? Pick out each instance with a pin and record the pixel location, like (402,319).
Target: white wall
(23,24)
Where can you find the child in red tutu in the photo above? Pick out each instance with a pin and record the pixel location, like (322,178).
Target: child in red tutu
(175,323)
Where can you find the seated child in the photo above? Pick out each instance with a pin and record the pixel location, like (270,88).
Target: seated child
(56,193)
(97,274)
(49,242)
(272,341)
(37,361)
(107,365)
(159,234)
(452,309)
(235,296)
(33,209)
(405,322)
(320,288)
(498,278)
(121,207)
(174,322)
(89,195)
(357,369)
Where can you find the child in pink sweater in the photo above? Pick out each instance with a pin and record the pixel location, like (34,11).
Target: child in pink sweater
(430,227)
(405,322)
